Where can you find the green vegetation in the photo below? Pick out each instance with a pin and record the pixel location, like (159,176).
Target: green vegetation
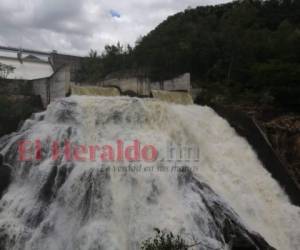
(13,110)
(245,51)
(164,241)
(115,58)
(5,70)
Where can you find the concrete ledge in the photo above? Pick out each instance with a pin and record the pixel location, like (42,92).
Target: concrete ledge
(94,91)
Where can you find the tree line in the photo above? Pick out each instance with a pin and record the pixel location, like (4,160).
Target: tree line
(245,50)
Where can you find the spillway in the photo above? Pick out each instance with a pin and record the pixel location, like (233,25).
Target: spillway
(173,96)
(104,201)
(94,91)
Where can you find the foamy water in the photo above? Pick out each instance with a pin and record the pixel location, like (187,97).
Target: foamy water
(82,207)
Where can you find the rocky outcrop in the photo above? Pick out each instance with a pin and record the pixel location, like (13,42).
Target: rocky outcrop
(5,174)
(282,129)
(275,140)
(225,222)
(284,134)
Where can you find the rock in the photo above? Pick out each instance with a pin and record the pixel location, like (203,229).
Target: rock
(284,134)
(226,224)
(295,147)
(5,176)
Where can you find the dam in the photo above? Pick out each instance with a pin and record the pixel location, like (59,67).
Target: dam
(223,200)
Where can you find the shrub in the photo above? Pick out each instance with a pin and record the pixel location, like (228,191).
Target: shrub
(164,241)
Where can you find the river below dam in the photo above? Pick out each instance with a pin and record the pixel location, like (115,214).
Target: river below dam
(98,173)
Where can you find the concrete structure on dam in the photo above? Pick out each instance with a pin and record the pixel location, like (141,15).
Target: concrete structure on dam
(26,65)
(142,86)
(50,75)
(47,74)
(33,64)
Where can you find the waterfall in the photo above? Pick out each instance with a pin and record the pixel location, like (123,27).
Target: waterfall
(223,193)
(94,91)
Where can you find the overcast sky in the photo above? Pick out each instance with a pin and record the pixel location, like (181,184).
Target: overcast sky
(76,26)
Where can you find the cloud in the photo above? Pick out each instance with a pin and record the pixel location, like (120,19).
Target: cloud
(76,26)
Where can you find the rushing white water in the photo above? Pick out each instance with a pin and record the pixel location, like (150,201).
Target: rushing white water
(77,205)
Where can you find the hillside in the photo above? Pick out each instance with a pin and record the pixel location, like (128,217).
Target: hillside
(244,54)
(248,48)
(245,51)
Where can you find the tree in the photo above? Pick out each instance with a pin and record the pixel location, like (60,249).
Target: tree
(242,48)
(5,70)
